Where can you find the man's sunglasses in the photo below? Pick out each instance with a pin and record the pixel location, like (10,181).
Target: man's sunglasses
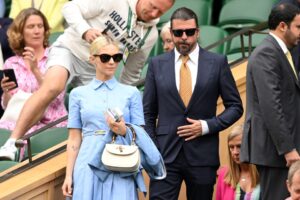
(188,32)
(106,57)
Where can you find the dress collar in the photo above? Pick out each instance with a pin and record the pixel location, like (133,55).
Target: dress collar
(110,84)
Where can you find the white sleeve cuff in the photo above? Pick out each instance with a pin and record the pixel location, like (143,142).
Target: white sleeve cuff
(205,129)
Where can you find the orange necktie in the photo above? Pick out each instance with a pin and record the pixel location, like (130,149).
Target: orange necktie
(185,85)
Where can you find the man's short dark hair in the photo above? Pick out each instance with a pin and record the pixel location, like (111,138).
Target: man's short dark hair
(285,12)
(184,14)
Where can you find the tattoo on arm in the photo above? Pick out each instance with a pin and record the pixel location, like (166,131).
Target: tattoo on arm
(74,148)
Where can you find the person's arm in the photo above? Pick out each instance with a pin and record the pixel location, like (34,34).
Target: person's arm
(77,11)
(150,102)
(73,146)
(231,100)
(136,109)
(6,96)
(36,105)
(74,140)
(6,86)
(30,57)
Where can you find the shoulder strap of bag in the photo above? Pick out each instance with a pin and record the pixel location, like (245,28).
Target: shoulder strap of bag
(133,134)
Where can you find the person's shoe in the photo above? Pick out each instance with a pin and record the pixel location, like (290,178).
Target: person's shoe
(8,152)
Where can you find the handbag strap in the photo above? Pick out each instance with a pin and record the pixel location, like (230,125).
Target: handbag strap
(133,134)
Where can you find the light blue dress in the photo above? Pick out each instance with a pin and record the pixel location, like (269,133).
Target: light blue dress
(87,105)
(2,8)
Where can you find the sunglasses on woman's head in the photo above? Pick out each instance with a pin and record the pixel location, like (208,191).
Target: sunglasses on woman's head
(188,32)
(106,57)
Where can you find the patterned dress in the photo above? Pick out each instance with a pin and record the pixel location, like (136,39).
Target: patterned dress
(28,83)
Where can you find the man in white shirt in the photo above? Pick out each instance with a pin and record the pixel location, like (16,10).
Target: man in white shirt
(181,91)
(131,22)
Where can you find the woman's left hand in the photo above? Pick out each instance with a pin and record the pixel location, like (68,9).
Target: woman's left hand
(30,57)
(116,127)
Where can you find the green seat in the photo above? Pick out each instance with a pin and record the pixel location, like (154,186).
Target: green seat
(237,14)
(5,164)
(48,139)
(203,10)
(54,36)
(235,47)
(210,35)
(225,2)
(4,135)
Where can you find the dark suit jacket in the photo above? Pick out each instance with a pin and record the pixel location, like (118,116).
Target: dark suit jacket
(272,126)
(161,99)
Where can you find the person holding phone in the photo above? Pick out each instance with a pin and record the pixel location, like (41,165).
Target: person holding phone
(28,37)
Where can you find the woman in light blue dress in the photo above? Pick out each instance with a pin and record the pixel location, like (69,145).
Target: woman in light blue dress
(90,129)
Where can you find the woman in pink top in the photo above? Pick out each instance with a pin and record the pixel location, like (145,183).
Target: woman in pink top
(293,181)
(28,38)
(239,181)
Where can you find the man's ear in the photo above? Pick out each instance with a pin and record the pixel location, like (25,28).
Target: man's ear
(282,26)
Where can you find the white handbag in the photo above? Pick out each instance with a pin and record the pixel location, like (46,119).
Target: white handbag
(122,158)
(15,105)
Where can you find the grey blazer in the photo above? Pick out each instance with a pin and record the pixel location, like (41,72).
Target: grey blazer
(272,124)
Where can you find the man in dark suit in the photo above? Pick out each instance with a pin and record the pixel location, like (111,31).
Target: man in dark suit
(271,138)
(181,92)
(296,50)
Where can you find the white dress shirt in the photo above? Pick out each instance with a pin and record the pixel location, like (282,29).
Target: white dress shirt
(193,66)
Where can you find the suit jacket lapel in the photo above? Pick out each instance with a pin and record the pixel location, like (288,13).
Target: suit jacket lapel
(169,65)
(288,65)
(204,70)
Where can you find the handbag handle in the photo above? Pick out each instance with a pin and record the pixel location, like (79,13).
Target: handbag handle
(133,135)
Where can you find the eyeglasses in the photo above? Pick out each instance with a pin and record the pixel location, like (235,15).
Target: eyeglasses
(188,32)
(106,57)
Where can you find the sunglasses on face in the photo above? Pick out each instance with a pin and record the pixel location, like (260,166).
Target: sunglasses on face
(188,32)
(106,57)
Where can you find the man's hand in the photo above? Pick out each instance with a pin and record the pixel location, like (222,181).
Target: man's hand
(91,34)
(191,131)
(291,157)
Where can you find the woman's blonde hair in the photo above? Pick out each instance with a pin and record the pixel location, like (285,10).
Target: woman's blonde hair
(233,175)
(294,169)
(100,42)
(15,30)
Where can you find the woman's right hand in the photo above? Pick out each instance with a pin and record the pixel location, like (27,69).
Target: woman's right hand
(7,85)
(67,187)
